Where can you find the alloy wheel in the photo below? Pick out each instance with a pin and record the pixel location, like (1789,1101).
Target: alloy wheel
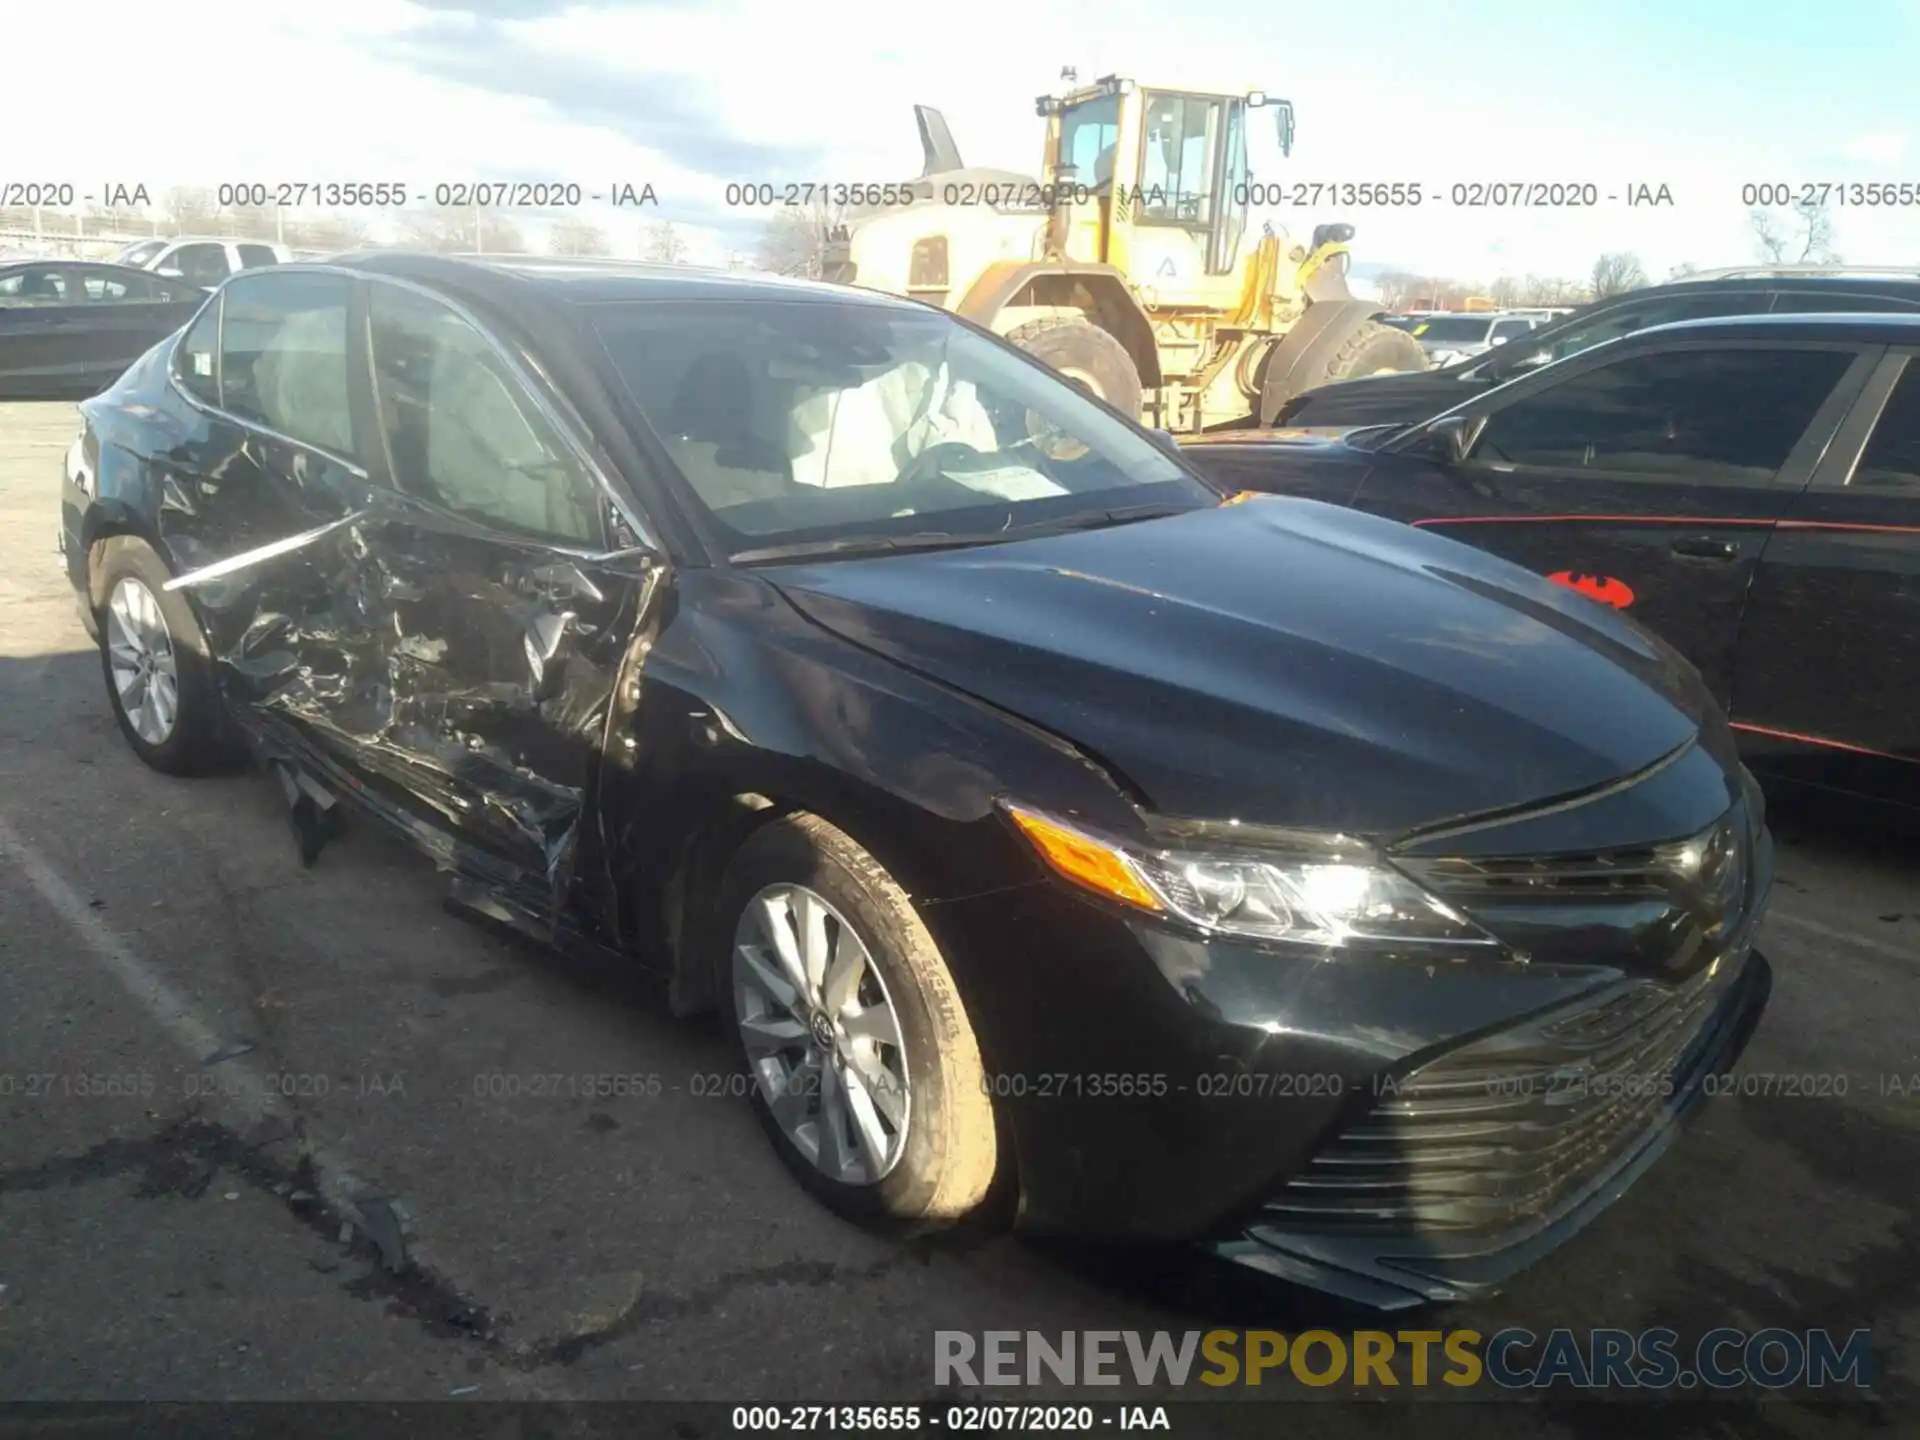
(140,653)
(821,1034)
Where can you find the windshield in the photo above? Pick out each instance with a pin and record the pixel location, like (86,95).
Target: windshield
(143,252)
(802,421)
(1452,328)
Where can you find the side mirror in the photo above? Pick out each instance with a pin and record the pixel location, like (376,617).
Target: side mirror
(1450,438)
(1166,440)
(1283,125)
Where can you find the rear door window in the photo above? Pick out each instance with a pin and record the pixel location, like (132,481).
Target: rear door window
(283,356)
(1732,414)
(252,257)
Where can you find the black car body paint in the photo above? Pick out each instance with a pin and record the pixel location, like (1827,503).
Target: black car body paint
(1790,588)
(74,341)
(1277,663)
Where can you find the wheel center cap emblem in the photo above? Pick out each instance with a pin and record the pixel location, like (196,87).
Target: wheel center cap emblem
(822,1031)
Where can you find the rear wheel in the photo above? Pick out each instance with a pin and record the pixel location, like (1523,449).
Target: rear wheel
(1085,354)
(154,657)
(862,1064)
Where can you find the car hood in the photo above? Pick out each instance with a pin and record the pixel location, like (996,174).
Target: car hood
(1315,467)
(1279,661)
(1379,399)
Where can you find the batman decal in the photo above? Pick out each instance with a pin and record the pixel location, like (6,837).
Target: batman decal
(1604,588)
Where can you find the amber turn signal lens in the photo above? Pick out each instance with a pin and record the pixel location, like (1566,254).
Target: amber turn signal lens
(1084,860)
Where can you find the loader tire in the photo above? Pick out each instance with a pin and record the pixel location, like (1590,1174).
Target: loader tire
(1373,349)
(1087,355)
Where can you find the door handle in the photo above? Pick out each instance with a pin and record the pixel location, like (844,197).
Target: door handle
(1705,547)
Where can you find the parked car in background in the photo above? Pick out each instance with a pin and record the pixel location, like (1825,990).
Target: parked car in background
(69,327)
(1450,338)
(1747,487)
(203,260)
(951,737)
(1405,399)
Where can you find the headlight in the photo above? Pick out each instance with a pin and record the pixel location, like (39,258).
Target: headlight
(1326,893)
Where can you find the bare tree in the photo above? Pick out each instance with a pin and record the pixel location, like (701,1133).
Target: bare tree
(1505,292)
(191,209)
(251,222)
(1616,273)
(330,231)
(1806,239)
(463,231)
(1397,288)
(795,240)
(664,244)
(571,235)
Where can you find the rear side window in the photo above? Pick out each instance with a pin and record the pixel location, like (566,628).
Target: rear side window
(283,356)
(252,257)
(1732,415)
(1891,460)
(196,357)
(35,285)
(127,289)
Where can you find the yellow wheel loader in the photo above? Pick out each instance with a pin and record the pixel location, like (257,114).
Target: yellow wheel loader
(1128,265)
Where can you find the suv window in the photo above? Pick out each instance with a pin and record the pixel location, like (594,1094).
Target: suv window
(1509,329)
(1557,343)
(1892,456)
(196,358)
(252,257)
(1734,414)
(1813,302)
(283,356)
(462,430)
(204,263)
(35,285)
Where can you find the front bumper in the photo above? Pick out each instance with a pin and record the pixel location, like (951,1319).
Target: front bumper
(1478,1163)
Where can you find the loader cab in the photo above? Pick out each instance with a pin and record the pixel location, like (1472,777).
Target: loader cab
(1166,172)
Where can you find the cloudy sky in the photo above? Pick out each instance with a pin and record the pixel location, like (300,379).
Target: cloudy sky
(1699,95)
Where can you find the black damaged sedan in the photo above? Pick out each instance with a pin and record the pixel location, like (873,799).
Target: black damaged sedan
(1247,872)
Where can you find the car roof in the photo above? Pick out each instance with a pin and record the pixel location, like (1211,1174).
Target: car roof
(594,281)
(1840,284)
(1876,327)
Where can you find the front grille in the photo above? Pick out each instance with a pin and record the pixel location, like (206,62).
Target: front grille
(1495,1137)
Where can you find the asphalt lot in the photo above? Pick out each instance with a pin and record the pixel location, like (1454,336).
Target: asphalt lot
(177,1244)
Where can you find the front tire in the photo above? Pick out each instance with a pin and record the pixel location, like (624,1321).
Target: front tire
(154,658)
(1374,349)
(865,1072)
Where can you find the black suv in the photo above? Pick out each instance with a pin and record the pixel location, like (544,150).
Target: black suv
(1408,398)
